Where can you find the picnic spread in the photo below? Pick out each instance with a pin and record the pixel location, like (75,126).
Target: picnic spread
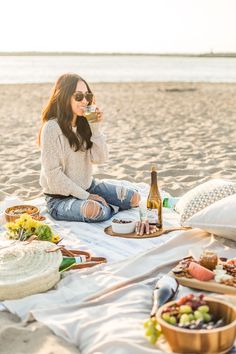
(103,294)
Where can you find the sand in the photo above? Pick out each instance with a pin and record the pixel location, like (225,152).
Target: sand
(187,129)
(19,338)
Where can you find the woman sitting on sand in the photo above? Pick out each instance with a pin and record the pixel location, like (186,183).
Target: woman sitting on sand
(69,147)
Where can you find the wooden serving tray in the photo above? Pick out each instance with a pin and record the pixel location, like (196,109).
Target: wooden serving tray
(108,231)
(210,285)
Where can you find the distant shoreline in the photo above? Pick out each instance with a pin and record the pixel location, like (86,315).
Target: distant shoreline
(199,55)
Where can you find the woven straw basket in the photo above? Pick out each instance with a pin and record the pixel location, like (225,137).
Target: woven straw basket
(11,217)
(26,269)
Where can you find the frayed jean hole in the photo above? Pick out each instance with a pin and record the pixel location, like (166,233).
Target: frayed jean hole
(91,210)
(135,199)
(121,193)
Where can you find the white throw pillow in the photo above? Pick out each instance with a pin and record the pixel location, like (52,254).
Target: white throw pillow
(202,196)
(218,218)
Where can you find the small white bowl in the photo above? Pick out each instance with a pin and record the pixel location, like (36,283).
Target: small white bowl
(127,228)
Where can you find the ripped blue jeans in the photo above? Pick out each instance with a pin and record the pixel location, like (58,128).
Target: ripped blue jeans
(70,208)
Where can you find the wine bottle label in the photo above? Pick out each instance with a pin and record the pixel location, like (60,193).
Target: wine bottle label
(152,216)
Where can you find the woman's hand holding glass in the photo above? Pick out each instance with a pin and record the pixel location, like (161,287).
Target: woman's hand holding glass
(93,114)
(99,115)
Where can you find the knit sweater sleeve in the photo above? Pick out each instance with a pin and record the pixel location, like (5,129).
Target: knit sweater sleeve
(99,151)
(52,163)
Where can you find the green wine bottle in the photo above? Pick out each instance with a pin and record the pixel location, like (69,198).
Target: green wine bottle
(68,262)
(170,202)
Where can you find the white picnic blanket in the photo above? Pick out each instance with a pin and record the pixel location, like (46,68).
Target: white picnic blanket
(91,237)
(102,309)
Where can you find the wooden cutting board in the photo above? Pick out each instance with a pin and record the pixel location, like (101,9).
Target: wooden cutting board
(108,231)
(210,285)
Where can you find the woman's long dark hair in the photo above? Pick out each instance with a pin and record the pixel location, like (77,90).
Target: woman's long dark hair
(59,106)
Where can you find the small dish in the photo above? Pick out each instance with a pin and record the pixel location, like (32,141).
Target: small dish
(217,340)
(14,212)
(123,226)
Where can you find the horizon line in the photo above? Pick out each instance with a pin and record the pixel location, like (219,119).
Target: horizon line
(73,53)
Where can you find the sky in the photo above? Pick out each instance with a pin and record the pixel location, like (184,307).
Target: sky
(134,26)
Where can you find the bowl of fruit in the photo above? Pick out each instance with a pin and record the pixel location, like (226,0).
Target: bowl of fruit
(198,324)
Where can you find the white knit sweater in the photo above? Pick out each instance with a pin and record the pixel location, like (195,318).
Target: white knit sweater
(63,170)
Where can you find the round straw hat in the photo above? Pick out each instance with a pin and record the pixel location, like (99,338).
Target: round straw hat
(26,269)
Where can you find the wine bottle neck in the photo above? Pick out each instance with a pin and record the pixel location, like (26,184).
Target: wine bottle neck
(153,178)
(154,185)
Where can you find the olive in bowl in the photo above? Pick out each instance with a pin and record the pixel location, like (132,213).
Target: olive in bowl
(123,226)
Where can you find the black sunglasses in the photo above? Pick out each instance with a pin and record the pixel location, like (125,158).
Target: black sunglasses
(79,96)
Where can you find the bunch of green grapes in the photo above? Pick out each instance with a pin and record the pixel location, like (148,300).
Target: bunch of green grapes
(153,330)
(191,312)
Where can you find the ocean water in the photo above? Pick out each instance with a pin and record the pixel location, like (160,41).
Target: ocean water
(117,68)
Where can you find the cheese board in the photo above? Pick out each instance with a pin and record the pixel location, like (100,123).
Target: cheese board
(210,285)
(208,273)
(108,231)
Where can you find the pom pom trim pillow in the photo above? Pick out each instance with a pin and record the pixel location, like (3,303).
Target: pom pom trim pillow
(202,196)
(218,218)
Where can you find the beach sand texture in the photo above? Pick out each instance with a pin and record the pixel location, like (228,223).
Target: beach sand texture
(188,129)
(33,338)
